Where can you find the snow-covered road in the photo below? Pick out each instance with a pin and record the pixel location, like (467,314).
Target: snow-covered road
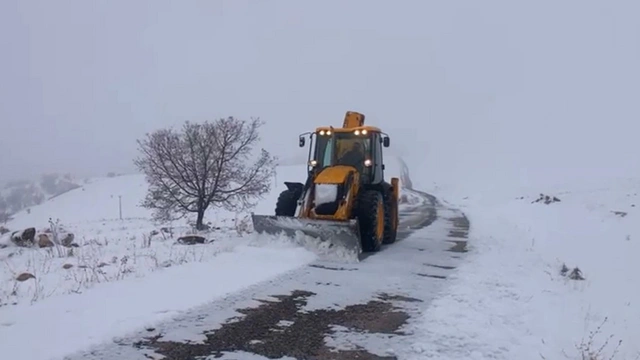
(321,311)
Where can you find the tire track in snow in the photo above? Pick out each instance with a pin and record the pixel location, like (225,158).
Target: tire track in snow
(325,310)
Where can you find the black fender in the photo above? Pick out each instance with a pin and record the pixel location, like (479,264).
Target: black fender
(295,187)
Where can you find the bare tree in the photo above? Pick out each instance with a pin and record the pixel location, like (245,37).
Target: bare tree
(203,165)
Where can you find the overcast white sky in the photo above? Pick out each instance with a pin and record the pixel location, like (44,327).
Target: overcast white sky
(464,86)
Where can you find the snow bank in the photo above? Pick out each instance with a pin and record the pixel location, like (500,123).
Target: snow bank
(512,298)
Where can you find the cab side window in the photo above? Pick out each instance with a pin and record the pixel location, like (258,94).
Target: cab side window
(328,153)
(377,153)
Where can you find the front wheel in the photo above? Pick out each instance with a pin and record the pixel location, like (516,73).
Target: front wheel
(371,219)
(390,218)
(287,203)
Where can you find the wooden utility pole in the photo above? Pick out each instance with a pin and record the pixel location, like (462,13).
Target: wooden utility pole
(120,205)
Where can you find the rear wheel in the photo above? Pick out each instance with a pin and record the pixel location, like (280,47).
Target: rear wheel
(371,219)
(390,218)
(287,203)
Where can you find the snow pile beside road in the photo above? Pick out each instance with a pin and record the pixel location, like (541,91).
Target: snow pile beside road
(65,324)
(543,275)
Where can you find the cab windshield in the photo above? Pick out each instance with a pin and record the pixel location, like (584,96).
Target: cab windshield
(342,149)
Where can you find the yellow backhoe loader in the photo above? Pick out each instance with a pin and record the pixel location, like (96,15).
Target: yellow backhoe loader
(345,200)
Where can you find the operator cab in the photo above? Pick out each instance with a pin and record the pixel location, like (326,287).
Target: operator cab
(359,147)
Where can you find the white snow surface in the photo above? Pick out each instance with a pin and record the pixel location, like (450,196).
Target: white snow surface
(117,308)
(509,299)
(121,277)
(326,193)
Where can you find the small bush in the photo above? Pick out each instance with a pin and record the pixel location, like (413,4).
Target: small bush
(588,351)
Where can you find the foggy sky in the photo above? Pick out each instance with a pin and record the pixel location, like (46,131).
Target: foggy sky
(462,87)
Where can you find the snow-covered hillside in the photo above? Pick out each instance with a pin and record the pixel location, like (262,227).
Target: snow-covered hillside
(130,270)
(105,247)
(18,195)
(550,277)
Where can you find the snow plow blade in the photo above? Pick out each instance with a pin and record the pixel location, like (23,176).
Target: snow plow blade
(333,238)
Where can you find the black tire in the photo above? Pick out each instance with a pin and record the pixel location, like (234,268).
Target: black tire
(287,203)
(370,204)
(390,219)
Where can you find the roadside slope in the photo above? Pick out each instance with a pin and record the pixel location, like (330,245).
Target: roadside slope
(113,257)
(546,278)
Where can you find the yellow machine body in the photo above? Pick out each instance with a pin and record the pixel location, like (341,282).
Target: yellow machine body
(342,226)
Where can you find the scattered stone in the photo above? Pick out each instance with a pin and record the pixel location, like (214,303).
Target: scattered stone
(154,232)
(619,213)
(24,238)
(44,241)
(25,276)
(191,240)
(546,199)
(67,266)
(29,234)
(67,240)
(3,230)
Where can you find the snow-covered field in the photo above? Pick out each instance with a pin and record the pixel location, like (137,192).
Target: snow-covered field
(512,299)
(126,273)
